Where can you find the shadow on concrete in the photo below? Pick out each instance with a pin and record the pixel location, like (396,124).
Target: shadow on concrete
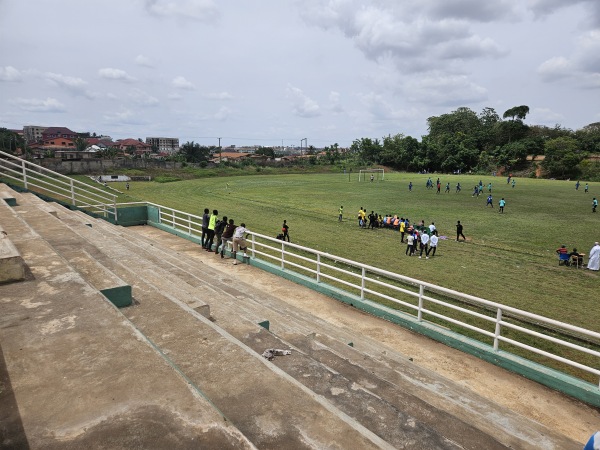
(12,433)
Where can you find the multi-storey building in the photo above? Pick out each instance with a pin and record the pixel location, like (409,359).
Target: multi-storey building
(163,144)
(33,133)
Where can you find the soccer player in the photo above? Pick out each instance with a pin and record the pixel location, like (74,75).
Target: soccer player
(489,201)
(594,204)
(501,204)
(340,213)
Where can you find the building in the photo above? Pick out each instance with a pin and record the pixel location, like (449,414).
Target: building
(133,146)
(163,144)
(33,133)
(58,132)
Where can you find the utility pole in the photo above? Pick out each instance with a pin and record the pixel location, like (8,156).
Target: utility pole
(219,150)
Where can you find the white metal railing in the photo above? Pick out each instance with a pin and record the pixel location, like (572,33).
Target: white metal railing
(58,186)
(415,297)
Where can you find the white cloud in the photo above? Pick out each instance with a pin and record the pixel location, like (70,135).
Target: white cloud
(302,105)
(144,61)
(218,96)
(415,39)
(334,102)
(181,83)
(9,73)
(555,68)
(445,90)
(200,10)
(175,96)
(115,74)
(142,98)
(39,105)
(222,114)
(545,116)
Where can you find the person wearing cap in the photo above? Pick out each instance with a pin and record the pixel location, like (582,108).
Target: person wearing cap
(594,261)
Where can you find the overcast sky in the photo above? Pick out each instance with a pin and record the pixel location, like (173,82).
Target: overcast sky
(271,71)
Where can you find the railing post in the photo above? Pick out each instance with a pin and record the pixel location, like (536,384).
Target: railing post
(318,268)
(420,310)
(362,284)
(72,192)
(189,221)
(282,254)
(498,329)
(253,245)
(24,173)
(159,214)
(115,210)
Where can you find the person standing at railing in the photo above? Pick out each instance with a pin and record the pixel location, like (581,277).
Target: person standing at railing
(227,236)
(210,232)
(205,219)
(239,241)
(285,229)
(219,228)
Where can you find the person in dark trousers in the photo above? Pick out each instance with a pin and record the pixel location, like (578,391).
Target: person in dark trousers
(205,220)
(285,228)
(227,236)
(459,231)
(594,204)
(219,228)
(210,232)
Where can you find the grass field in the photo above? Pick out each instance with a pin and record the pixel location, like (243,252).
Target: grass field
(508,258)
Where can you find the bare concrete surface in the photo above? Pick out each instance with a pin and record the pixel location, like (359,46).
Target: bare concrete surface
(562,414)
(74,374)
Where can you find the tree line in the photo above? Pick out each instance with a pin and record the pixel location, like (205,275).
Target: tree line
(464,141)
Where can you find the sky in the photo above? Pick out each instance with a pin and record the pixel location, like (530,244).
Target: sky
(293,73)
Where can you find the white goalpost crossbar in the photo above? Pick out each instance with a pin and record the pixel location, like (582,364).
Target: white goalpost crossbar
(362,173)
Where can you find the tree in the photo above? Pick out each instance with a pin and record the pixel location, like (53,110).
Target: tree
(194,153)
(368,150)
(516,113)
(562,157)
(10,141)
(267,151)
(81,144)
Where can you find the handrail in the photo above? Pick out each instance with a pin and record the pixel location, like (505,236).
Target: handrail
(370,286)
(77,192)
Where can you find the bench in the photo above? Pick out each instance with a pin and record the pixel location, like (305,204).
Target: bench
(12,266)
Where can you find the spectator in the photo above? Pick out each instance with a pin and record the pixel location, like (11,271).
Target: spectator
(594,261)
(433,242)
(210,230)
(285,228)
(239,241)
(227,236)
(205,219)
(219,228)
(459,231)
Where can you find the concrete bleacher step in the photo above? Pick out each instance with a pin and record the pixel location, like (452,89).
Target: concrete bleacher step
(276,412)
(74,374)
(227,310)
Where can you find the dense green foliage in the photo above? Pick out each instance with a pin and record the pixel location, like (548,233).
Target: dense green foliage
(9,141)
(462,141)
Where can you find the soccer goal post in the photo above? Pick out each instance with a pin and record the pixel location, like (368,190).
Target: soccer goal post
(365,174)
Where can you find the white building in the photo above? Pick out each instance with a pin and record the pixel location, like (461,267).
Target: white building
(163,144)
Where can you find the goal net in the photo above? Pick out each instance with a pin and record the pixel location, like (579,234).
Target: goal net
(366,174)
